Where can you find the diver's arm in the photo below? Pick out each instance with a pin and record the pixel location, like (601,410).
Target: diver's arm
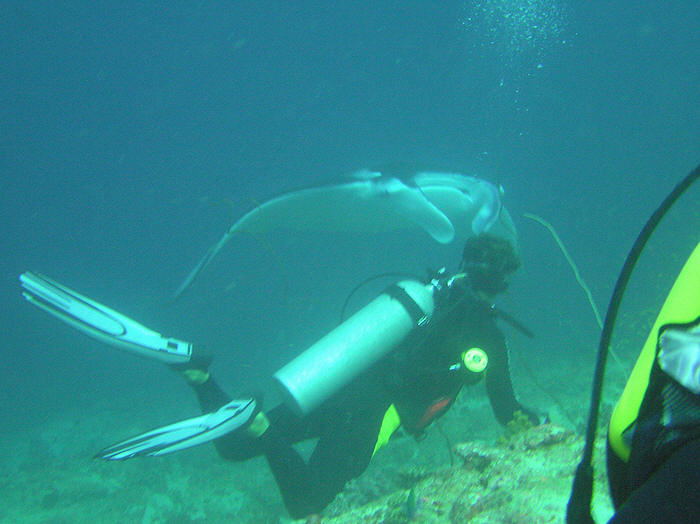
(500,387)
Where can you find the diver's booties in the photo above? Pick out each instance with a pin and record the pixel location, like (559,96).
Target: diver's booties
(196,370)
(195,377)
(258,426)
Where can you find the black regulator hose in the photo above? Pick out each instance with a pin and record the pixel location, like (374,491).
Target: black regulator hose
(367,281)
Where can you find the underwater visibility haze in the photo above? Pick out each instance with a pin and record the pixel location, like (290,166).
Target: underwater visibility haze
(135,134)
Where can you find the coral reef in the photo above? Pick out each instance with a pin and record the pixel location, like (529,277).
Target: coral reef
(524,477)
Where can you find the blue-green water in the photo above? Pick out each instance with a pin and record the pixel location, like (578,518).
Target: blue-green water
(132,133)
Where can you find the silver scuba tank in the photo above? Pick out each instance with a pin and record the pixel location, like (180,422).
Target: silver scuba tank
(354,345)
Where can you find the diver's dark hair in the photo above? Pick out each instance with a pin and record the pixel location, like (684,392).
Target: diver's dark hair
(488,261)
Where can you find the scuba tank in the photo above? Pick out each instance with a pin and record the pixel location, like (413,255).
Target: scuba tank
(356,344)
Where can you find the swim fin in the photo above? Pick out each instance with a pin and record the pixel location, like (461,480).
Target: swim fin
(101,322)
(185,434)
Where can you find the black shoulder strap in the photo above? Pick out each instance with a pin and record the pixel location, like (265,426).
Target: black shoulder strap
(398,293)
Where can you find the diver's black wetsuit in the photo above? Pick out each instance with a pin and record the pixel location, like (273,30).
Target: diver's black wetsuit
(416,378)
(666,494)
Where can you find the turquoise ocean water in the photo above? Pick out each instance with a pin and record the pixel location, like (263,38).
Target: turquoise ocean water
(132,133)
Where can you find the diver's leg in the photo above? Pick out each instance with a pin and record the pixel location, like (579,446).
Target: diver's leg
(237,445)
(196,373)
(291,473)
(347,438)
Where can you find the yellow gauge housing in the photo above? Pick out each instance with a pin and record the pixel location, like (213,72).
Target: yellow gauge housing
(475,360)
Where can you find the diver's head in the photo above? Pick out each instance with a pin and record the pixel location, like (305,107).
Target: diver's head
(489,261)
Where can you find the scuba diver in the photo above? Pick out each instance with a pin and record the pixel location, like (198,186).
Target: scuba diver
(653,444)
(398,362)
(654,432)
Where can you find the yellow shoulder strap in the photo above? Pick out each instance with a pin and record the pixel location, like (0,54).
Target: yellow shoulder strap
(682,305)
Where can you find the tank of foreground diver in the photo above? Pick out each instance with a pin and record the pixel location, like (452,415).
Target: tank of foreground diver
(399,362)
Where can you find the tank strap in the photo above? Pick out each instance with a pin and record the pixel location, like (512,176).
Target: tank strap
(412,308)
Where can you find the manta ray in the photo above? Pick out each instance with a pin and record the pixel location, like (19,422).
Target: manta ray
(447,206)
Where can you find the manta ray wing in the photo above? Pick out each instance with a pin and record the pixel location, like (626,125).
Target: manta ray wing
(373,205)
